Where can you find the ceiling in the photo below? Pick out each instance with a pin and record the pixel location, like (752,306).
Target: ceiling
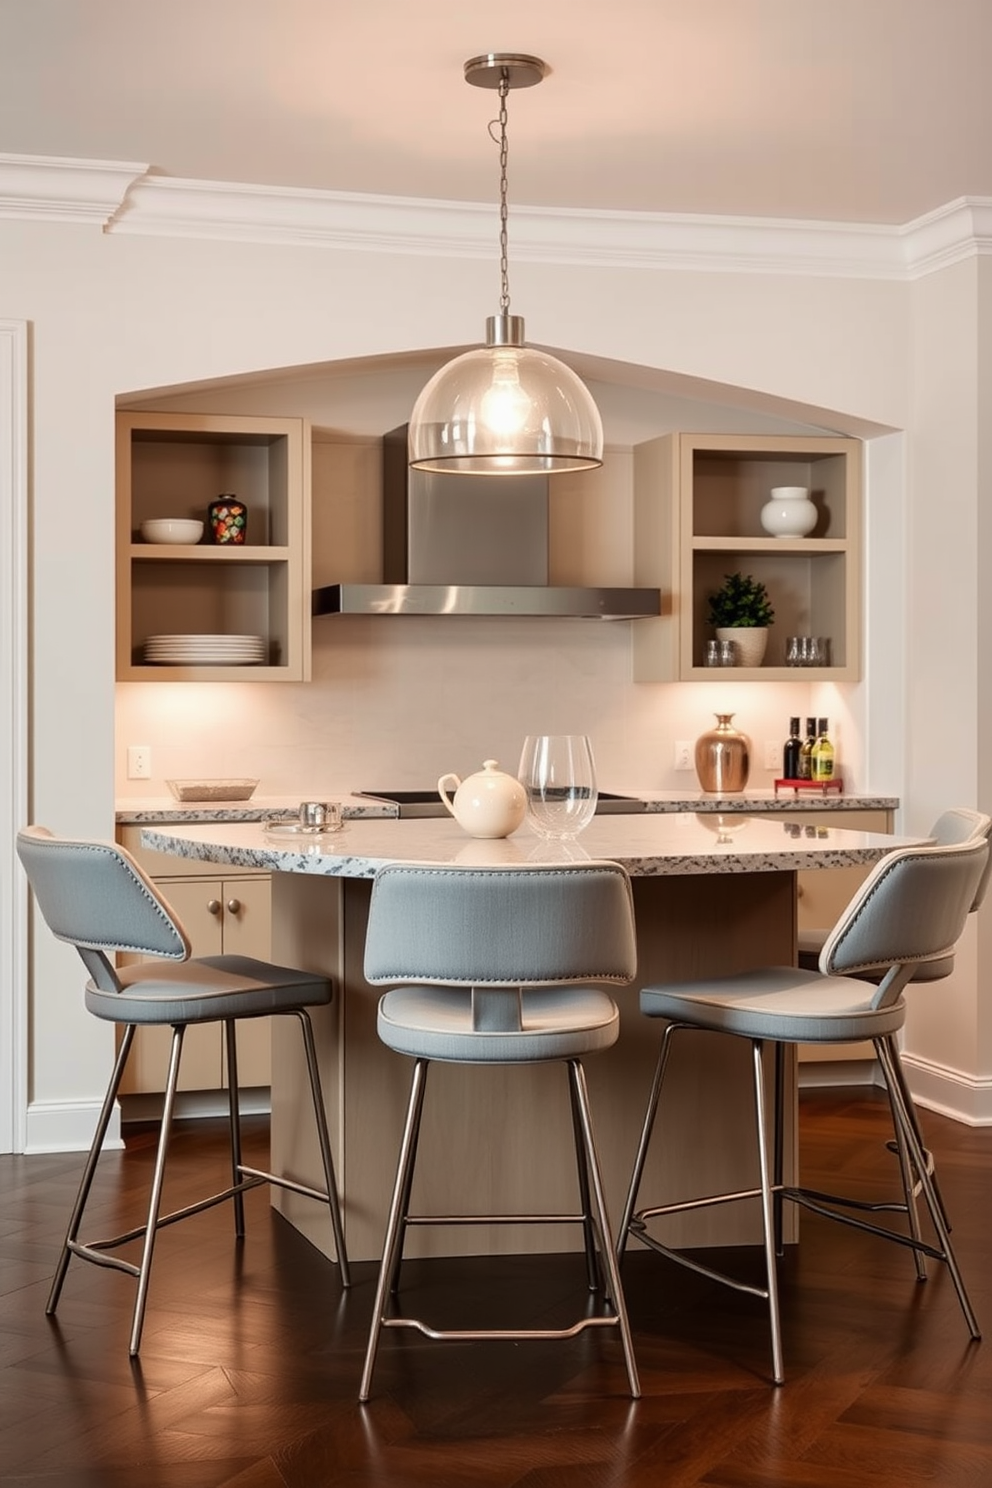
(871,111)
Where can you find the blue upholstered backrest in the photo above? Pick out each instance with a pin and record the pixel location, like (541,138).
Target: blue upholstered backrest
(95,896)
(962,825)
(912,907)
(527,925)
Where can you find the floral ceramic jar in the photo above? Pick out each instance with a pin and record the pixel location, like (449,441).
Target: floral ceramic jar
(228,518)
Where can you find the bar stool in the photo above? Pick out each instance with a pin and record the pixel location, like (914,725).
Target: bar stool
(957,824)
(910,910)
(94,896)
(500,966)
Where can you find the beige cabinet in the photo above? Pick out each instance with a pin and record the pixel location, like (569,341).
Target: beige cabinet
(174,465)
(228,914)
(697,518)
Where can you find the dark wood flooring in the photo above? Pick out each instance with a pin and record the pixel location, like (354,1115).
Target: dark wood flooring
(251,1354)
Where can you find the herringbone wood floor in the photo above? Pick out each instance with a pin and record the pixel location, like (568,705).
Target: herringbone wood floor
(251,1354)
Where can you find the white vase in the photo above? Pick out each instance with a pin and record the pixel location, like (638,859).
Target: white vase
(749,643)
(788,512)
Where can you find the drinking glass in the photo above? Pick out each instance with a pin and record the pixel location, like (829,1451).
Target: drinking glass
(558,774)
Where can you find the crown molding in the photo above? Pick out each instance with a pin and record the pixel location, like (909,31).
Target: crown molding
(58,189)
(961,229)
(124,197)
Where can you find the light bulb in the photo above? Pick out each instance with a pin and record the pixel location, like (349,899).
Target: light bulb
(505,407)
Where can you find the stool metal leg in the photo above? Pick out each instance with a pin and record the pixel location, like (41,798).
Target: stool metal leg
(93,1157)
(395,1221)
(778,1168)
(323,1137)
(645,1141)
(910,1106)
(906,1116)
(602,1221)
(234,1118)
(767,1211)
(155,1198)
(906,1173)
(593,1269)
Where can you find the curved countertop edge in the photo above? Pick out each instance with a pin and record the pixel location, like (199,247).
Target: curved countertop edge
(646,845)
(148,809)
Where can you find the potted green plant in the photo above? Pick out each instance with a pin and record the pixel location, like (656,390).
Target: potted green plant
(741,612)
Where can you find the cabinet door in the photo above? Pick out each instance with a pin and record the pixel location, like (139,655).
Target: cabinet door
(248,932)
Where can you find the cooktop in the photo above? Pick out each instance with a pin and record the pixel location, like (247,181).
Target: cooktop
(429,803)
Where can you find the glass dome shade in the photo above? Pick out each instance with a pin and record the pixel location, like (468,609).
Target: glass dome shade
(505,410)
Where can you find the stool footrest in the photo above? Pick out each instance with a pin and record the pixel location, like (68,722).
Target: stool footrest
(637,1228)
(166,1219)
(814,1202)
(258,1176)
(488,1219)
(477,1335)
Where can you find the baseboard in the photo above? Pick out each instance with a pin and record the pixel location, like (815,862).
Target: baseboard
(191,1105)
(821,1074)
(965,1098)
(67,1126)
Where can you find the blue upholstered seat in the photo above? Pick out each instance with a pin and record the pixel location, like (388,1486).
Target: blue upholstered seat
(93,895)
(909,912)
(500,966)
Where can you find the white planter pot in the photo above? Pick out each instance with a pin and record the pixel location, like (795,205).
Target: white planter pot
(749,643)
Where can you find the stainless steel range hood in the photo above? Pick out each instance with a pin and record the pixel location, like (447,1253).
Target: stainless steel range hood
(469,545)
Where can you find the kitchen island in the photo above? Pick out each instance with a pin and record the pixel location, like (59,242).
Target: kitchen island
(713,892)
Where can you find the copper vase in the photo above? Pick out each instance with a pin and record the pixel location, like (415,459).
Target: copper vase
(723,758)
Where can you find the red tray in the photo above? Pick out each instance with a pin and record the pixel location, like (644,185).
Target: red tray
(821,787)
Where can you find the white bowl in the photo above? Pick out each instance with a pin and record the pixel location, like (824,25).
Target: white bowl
(172,530)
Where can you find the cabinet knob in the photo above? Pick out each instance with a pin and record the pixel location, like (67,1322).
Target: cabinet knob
(213,906)
(234,906)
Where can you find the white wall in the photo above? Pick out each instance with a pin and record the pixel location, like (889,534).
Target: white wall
(112,315)
(395,702)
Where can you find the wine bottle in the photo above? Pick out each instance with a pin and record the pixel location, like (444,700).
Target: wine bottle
(822,755)
(790,752)
(806,751)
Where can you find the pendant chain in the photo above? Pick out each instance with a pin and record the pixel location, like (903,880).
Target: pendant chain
(504,262)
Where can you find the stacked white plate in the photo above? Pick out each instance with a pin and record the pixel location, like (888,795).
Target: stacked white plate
(206,650)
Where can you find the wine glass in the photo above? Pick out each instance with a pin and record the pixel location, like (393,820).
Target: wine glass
(558,774)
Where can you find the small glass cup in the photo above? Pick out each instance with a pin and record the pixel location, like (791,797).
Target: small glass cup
(792,650)
(728,653)
(320,816)
(711,656)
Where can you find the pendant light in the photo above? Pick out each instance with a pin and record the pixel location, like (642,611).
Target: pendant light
(505,408)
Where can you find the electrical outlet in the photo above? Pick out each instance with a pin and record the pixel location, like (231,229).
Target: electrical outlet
(139,762)
(773,755)
(683,754)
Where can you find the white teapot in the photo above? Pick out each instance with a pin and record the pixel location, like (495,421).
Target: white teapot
(487,804)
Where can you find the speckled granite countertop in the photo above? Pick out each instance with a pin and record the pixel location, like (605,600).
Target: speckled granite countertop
(648,844)
(259,808)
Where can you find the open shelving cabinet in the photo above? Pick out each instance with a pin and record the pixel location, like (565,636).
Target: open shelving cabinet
(697,517)
(174,465)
